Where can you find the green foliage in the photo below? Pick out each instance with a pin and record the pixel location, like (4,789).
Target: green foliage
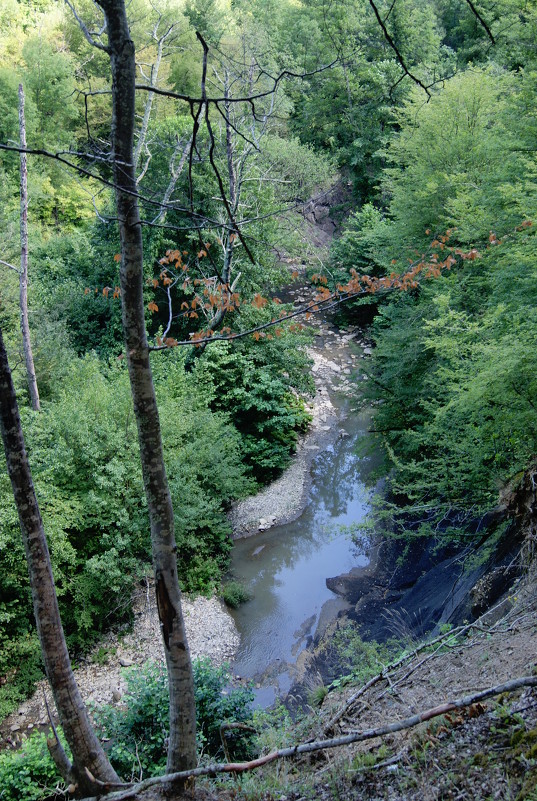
(256,383)
(84,455)
(234,594)
(138,730)
(20,662)
(29,774)
(452,165)
(453,365)
(347,110)
(49,79)
(363,659)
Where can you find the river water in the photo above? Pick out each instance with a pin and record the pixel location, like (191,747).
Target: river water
(285,568)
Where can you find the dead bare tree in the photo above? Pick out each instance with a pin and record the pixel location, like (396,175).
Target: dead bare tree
(23,275)
(22,271)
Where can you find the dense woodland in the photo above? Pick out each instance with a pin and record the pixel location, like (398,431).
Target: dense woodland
(429,122)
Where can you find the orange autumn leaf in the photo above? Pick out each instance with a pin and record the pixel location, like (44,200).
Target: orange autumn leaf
(259,301)
(152,306)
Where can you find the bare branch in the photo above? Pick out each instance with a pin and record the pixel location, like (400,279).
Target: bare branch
(335,742)
(207,221)
(87,33)
(155,68)
(248,99)
(175,174)
(396,50)
(482,22)
(11,266)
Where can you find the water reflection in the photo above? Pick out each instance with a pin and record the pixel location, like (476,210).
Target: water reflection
(285,568)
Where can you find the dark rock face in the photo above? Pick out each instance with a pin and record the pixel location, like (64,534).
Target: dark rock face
(408,590)
(411,587)
(352,586)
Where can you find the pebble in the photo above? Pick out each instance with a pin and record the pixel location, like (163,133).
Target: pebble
(210,629)
(285,498)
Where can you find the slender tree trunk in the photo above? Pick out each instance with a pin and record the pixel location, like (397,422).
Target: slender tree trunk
(85,747)
(182,740)
(23,275)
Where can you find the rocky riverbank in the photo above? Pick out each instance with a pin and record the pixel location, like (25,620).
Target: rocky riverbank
(411,589)
(335,356)
(211,632)
(210,628)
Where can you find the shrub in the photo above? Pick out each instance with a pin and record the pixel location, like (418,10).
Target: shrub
(29,774)
(138,730)
(234,594)
(84,454)
(256,384)
(20,669)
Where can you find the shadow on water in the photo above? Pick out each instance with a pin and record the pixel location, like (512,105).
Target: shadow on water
(285,568)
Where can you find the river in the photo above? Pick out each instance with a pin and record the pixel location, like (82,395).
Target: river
(285,568)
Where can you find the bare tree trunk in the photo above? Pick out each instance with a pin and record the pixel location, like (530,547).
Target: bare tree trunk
(85,747)
(182,740)
(23,275)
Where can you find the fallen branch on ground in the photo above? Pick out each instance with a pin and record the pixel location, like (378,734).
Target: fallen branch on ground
(438,642)
(335,742)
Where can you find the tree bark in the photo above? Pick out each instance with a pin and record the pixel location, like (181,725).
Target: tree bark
(23,275)
(182,740)
(85,747)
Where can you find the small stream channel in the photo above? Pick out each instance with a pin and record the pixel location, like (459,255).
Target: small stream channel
(285,568)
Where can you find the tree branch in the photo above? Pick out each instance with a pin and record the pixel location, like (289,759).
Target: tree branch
(87,33)
(11,266)
(396,50)
(335,742)
(478,16)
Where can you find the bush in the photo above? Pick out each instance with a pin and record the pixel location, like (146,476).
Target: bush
(30,774)
(85,462)
(20,669)
(234,594)
(255,383)
(138,731)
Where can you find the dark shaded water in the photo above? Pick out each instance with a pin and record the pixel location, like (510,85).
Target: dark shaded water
(285,568)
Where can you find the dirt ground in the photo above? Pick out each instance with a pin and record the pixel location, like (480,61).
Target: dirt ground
(487,753)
